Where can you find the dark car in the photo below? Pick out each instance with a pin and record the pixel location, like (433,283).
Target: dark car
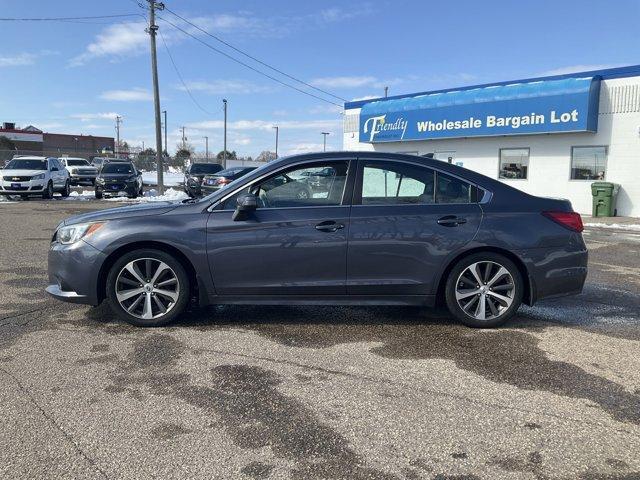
(212,183)
(195,173)
(391,229)
(119,178)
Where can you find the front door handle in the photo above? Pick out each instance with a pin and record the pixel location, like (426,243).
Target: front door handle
(451,221)
(329,226)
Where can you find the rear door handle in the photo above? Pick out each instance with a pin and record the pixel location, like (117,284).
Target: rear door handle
(451,221)
(329,226)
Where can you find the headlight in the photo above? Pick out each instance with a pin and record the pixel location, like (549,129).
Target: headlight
(40,176)
(72,233)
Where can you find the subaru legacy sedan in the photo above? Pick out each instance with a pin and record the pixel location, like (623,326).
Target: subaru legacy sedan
(382,229)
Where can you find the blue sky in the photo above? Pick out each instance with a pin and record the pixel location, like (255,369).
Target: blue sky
(75,77)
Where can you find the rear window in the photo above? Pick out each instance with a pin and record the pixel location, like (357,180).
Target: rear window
(204,168)
(26,164)
(120,168)
(230,172)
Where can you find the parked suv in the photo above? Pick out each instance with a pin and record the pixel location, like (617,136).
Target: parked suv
(195,173)
(80,170)
(25,176)
(119,178)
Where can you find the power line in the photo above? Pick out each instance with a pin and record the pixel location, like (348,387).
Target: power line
(215,37)
(208,45)
(66,19)
(175,67)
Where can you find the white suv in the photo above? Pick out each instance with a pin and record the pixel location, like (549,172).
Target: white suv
(26,176)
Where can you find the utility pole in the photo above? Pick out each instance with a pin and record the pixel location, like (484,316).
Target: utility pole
(206,148)
(386,92)
(224,151)
(277,129)
(324,138)
(166,146)
(153,28)
(184,139)
(118,122)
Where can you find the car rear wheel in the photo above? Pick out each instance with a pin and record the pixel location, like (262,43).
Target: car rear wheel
(148,288)
(484,290)
(98,195)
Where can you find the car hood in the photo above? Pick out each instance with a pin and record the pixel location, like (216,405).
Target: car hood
(21,173)
(140,210)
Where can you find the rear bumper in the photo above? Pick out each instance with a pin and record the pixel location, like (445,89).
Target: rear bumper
(556,272)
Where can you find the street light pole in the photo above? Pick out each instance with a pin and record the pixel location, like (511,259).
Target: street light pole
(156,90)
(118,122)
(206,148)
(224,150)
(277,130)
(324,138)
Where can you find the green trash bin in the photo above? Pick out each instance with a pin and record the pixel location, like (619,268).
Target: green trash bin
(604,199)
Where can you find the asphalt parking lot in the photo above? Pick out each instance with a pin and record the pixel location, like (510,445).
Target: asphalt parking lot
(316,393)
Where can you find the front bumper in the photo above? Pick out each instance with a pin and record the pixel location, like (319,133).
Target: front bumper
(117,188)
(76,179)
(31,187)
(74,271)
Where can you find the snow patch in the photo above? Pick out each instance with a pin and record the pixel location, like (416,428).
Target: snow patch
(172,178)
(170,195)
(615,226)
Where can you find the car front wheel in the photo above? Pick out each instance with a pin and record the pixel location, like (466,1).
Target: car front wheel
(66,191)
(48,193)
(148,288)
(484,290)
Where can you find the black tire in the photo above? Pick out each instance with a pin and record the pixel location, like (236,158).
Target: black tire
(48,193)
(515,295)
(141,191)
(66,191)
(133,195)
(98,195)
(183,288)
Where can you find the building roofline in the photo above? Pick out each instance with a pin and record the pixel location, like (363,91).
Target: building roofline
(604,74)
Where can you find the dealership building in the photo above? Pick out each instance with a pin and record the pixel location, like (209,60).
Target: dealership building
(549,136)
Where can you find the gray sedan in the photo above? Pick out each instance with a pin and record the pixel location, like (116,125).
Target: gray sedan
(382,228)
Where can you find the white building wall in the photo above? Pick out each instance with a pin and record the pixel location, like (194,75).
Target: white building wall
(550,154)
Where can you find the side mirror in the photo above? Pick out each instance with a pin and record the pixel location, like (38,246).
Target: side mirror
(244,205)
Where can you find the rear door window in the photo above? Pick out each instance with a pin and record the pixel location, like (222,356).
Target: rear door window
(453,190)
(396,183)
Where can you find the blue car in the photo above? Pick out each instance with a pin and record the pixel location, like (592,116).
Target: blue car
(382,229)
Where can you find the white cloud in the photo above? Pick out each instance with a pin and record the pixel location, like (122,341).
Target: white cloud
(265,125)
(132,95)
(115,41)
(343,82)
(221,87)
(366,97)
(579,68)
(325,108)
(85,117)
(304,148)
(17,60)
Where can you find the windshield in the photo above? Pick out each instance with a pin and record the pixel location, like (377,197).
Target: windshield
(26,164)
(234,183)
(77,163)
(199,168)
(120,168)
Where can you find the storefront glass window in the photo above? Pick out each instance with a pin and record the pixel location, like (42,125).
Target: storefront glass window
(588,163)
(514,163)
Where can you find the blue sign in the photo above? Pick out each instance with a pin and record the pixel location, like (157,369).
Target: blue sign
(554,106)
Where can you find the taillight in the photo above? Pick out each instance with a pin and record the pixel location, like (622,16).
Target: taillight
(223,181)
(570,220)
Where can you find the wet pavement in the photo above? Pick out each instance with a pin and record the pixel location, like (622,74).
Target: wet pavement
(317,392)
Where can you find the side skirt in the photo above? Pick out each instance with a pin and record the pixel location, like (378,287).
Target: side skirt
(417,300)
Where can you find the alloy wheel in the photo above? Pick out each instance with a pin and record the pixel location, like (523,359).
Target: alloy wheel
(147,288)
(485,290)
